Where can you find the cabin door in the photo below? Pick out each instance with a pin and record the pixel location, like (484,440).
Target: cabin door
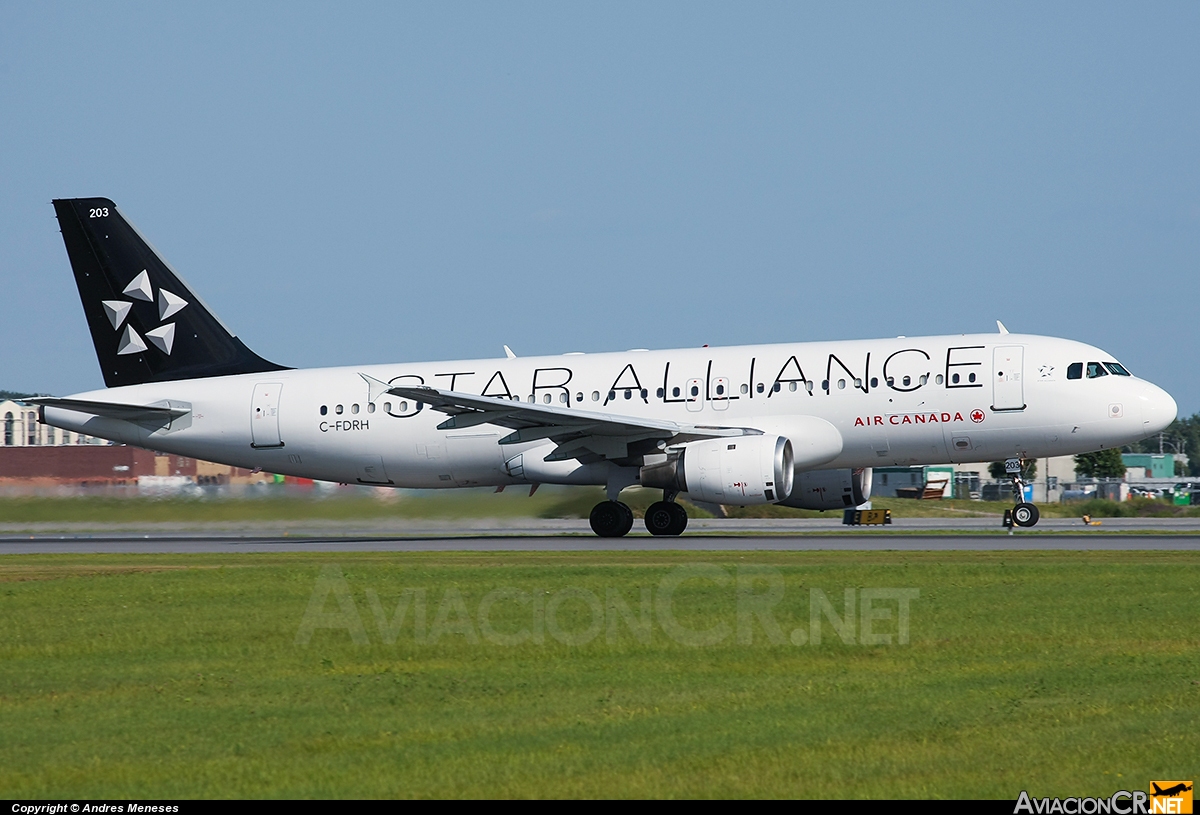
(1008,386)
(264,415)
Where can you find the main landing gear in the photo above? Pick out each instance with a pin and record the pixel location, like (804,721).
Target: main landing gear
(613,519)
(666,517)
(1024,513)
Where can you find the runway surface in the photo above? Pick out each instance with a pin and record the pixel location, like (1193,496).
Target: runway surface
(534,535)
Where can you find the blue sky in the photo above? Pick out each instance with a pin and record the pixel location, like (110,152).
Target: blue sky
(406,182)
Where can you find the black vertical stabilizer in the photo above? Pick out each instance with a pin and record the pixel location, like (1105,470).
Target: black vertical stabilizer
(147,325)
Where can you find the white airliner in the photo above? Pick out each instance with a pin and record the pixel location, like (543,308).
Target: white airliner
(798,424)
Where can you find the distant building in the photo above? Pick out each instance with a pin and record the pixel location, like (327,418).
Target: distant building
(104,465)
(21,428)
(1148,465)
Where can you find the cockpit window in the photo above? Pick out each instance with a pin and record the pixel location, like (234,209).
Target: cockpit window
(1074,370)
(1095,369)
(1117,368)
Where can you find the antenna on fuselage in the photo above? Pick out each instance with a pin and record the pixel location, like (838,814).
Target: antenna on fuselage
(508,353)
(1000,326)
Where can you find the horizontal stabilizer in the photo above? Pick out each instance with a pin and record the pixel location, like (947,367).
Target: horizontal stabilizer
(114,410)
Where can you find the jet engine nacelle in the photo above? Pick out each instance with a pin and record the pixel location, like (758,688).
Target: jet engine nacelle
(738,470)
(830,489)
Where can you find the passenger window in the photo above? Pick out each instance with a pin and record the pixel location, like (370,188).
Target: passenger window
(324,410)
(907,381)
(808,386)
(595,396)
(924,379)
(695,391)
(1117,368)
(387,407)
(824,384)
(939,379)
(857,382)
(954,379)
(1095,370)
(760,387)
(354,408)
(970,377)
(562,397)
(370,407)
(745,388)
(612,395)
(579,396)
(675,392)
(1075,370)
(546,398)
(628,393)
(792,387)
(777,387)
(645,393)
(403,407)
(338,410)
(721,389)
(659,393)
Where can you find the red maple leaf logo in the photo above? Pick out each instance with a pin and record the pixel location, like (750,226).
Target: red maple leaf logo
(977,415)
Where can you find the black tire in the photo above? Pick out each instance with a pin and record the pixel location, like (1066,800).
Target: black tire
(611,519)
(660,519)
(681,519)
(627,523)
(1024,514)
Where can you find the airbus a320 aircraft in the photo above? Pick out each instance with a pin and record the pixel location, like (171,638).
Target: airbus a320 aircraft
(798,424)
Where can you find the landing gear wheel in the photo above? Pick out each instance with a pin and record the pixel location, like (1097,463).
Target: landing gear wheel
(1025,514)
(611,519)
(666,518)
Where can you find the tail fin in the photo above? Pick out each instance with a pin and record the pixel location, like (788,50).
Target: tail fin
(146,324)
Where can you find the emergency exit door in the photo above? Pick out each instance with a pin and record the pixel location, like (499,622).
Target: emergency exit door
(264,415)
(1008,385)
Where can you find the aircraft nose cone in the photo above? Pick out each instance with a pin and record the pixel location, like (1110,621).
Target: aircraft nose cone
(1159,409)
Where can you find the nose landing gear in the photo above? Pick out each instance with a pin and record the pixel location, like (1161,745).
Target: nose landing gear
(1024,513)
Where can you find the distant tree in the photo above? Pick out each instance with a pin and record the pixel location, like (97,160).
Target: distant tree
(1028,470)
(1101,464)
(15,395)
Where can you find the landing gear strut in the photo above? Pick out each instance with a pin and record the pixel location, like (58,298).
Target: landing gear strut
(611,519)
(1024,513)
(666,517)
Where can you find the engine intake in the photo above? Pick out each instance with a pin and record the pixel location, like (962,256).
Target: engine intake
(741,470)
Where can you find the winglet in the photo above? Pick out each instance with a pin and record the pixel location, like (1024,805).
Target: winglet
(1000,325)
(508,353)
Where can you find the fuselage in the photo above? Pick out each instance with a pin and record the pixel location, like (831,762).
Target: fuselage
(900,401)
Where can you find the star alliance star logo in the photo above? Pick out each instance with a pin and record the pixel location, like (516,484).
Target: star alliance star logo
(162,337)
(1046,372)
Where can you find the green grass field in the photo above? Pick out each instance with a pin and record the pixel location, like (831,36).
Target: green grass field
(181,676)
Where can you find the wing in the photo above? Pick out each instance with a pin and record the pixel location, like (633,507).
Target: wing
(579,434)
